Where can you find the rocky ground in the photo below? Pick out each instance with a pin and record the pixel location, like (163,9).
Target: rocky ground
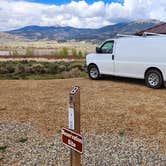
(25,146)
(122,121)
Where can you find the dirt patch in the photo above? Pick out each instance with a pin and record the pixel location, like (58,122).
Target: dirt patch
(107,106)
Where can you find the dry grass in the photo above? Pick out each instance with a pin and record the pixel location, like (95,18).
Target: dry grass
(44,47)
(107,106)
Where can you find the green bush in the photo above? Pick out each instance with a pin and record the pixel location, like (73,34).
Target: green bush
(20,68)
(37,69)
(61,68)
(52,68)
(74,52)
(10,68)
(29,52)
(78,65)
(26,69)
(25,62)
(80,53)
(3,70)
(75,72)
(64,51)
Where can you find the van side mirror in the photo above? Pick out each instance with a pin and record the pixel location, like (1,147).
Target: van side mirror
(98,50)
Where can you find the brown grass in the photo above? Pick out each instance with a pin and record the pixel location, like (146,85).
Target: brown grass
(107,106)
(45,47)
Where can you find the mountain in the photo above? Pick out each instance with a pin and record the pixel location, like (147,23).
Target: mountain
(35,33)
(6,37)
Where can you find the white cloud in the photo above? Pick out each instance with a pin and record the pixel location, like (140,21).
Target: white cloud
(19,13)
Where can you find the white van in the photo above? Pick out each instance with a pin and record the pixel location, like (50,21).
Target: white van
(131,56)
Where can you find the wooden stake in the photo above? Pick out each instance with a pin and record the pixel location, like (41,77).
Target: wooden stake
(74,103)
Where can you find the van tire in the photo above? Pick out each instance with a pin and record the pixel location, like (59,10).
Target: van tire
(154,79)
(93,72)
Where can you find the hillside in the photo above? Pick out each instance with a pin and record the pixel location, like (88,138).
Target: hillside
(6,37)
(35,33)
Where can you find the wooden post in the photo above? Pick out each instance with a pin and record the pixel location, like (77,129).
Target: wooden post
(74,102)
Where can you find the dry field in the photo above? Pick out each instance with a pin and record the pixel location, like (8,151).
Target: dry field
(44,47)
(106,106)
(109,107)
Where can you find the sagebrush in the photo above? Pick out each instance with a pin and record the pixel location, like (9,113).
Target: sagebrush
(29,69)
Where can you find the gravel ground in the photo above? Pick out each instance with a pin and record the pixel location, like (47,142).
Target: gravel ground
(122,121)
(24,145)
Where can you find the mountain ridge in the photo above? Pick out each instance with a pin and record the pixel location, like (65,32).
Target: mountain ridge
(58,33)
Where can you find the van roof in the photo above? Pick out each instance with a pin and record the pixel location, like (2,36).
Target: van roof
(146,34)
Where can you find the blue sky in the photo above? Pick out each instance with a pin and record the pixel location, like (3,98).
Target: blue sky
(59,2)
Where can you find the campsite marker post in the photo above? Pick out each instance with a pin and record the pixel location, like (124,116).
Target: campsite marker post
(71,137)
(74,102)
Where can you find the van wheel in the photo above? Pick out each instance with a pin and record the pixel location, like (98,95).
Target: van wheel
(93,72)
(154,79)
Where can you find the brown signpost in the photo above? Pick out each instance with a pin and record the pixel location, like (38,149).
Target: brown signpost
(71,137)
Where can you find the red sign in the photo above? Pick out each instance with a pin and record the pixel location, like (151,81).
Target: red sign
(72,139)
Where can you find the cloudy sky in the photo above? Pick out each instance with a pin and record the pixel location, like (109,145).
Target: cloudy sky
(83,14)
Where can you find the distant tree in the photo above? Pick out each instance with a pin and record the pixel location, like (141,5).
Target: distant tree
(80,53)
(74,52)
(29,52)
(64,51)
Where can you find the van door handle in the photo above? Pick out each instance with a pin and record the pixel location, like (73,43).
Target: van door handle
(113,57)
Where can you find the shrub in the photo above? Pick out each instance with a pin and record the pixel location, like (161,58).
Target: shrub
(74,52)
(10,68)
(78,65)
(80,53)
(64,51)
(37,69)
(61,68)
(20,68)
(24,62)
(29,52)
(75,72)
(51,68)
(14,53)
(26,69)
(3,69)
